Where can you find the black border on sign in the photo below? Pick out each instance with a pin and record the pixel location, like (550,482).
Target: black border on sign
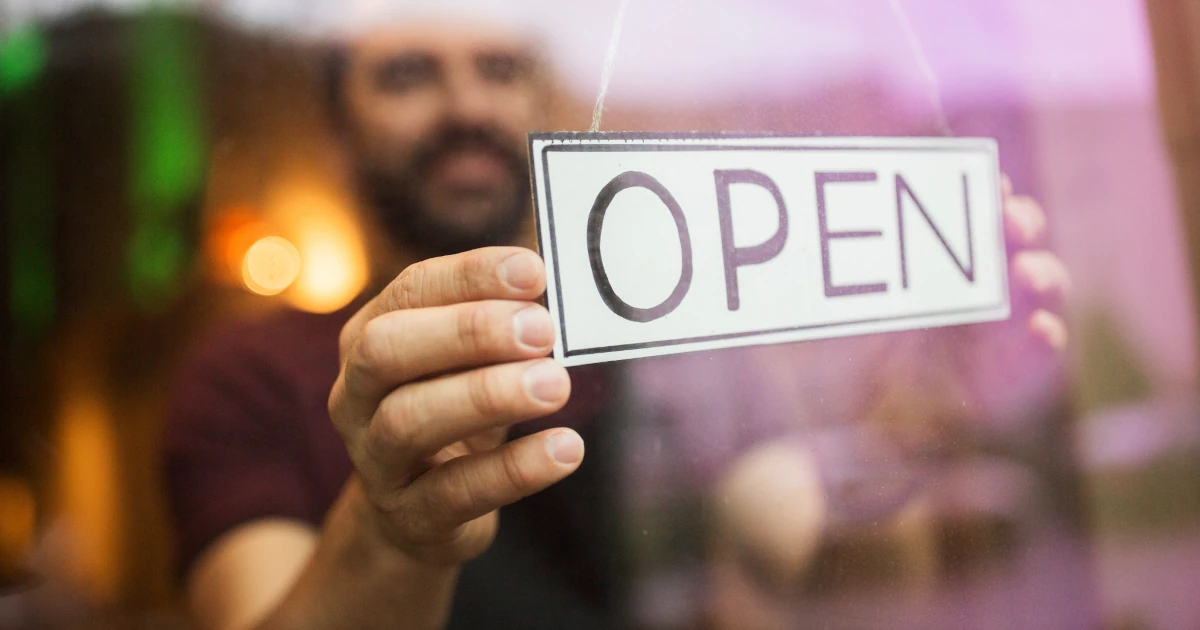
(648,144)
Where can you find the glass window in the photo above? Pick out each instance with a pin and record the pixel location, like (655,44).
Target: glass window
(197,196)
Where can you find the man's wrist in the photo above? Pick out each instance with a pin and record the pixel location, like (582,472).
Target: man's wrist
(373,541)
(358,578)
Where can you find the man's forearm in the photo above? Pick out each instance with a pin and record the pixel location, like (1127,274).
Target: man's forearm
(356,579)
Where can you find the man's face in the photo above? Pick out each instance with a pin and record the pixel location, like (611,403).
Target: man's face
(436,118)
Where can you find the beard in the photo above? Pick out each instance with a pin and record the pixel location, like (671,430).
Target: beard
(428,220)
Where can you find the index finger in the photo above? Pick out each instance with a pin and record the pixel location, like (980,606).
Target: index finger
(489,273)
(1024,222)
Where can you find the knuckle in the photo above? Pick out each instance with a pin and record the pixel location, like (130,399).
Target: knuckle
(1048,262)
(1026,264)
(1035,219)
(460,499)
(1020,215)
(1017,264)
(334,405)
(475,326)
(389,499)
(375,348)
(1043,273)
(447,504)
(405,291)
(395,427)
(410,518)
(485,392)
(473,270)
(513,475)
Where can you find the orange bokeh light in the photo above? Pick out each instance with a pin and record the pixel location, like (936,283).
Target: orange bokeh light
(229,235)
(18,516)
(271,265)
(327,235)
(89,487)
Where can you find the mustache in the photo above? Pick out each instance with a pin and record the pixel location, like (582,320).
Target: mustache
(456,137)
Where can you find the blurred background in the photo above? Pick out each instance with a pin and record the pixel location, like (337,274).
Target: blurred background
(167,167)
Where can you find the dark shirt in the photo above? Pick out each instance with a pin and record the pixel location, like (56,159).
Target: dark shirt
(249,438)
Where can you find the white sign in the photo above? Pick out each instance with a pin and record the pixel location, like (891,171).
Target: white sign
(664,243)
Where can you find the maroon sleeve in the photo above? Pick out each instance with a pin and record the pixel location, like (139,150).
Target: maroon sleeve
(232,445)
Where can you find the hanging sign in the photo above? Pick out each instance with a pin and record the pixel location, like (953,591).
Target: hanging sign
(664,243)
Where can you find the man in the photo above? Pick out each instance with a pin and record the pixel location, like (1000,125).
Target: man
(434,117)
(282,523)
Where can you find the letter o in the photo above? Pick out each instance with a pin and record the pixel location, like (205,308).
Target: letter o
(637,179)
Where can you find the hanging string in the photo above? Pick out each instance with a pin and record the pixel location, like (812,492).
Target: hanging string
(606,75)
(910,34)
(935,88)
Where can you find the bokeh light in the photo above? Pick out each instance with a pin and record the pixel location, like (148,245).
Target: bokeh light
(335,269)
(227,239)
(22,58)
(271,265)
(89,471)
(18,513)
(325,231)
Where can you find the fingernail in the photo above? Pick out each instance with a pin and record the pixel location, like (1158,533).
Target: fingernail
(565,447)
(521,271)
(533,328)
(547,382)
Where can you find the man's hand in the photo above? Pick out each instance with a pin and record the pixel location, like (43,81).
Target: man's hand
(434,370)
(1005,375)
(1015,367)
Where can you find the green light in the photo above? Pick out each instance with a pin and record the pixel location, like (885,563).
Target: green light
(167,132)
(167,152)
(30,210)
(31,290)
(22,58)
(156,259)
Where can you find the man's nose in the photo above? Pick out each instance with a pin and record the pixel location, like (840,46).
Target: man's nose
(470,101)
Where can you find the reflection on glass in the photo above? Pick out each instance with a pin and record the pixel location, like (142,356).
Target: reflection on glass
(241,179)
